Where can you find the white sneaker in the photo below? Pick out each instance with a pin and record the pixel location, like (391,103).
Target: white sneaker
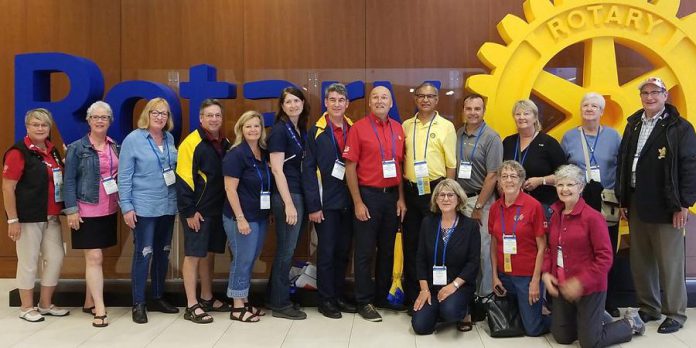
(31,315)
(54,311)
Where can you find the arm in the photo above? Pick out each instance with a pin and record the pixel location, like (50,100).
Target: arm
(277,161)
(231,185)
(10,200)
(70,181)
(361,211)
(310,180)
(126,169)
(534,294)
(401,203)
(422,266)
(450,150)
(486,191)
(498,287)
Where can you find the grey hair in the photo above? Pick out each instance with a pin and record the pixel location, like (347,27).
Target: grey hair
(40,114)
(513,165)
(571,172)
(100,104)
(338,88)
(426,84)
(594,95)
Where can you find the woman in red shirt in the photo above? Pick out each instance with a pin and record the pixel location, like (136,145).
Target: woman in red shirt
(575,270)
(516,225)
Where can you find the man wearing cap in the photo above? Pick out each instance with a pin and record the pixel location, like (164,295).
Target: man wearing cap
(655,184)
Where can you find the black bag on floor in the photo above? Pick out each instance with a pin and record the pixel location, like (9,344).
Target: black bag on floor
(504,317)
(479,308)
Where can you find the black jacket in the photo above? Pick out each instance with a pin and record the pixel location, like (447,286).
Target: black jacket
(666,169)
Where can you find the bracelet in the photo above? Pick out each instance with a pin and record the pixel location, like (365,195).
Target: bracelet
(240,217)
(426,290)
(543,180)
(456,285)
(13,221)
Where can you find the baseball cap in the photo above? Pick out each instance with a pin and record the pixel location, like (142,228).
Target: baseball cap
(654,81)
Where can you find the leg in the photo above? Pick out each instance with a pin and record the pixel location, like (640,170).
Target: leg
(485,285)
(535,324)
(205,274)
(342,250)
(409,235)
(206,268)
(94,278)
(286,238)
(28,247)
(52,253)
(161,247)
(365,243)
(644,265)
(386,236)
(613,271)
(143,235)
(591,330)
(564,327)
(190,273)
(669,250)
(243,248)
(424,320)
(455,306)
(327,233)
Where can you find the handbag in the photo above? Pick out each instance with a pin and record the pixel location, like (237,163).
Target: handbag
(479,308)
(504,317)
(603,200)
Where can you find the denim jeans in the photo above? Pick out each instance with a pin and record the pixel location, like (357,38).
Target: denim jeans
(278,291)
(152,237)
(535,324)
(245,250)
(452,309)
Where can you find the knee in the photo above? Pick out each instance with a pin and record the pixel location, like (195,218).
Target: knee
(452,313)
(144,254)
(421,326)
(94,257)
(562,338)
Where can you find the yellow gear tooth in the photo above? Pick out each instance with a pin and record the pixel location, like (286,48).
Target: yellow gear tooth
(534,9)
(668,7)
(482,84)
(689,23)
(511,28)
(492,54)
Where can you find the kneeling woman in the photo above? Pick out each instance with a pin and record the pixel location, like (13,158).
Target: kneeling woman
(447,260)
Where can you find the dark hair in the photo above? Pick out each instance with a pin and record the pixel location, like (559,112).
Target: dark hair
(210,102)
(474,96)
(338,88)
(304,115)
(426,84)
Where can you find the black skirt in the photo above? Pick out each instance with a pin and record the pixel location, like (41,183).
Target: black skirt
(95,233)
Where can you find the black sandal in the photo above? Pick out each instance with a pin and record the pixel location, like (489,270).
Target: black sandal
(88,310)
(242,312)
(104,323)
(203,318)
(208,305)
(464,326)
(254,310)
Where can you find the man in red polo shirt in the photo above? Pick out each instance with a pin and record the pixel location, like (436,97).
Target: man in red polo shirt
(374,155)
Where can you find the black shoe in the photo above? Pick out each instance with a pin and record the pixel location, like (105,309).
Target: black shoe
(392,307)
(645,317)
(139,314)
(369,313)
(669,326)
(161,305)
(330,310)
(290,313)
(614,312)
(346,307)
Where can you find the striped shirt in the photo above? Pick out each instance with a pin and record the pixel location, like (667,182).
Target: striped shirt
(645,130)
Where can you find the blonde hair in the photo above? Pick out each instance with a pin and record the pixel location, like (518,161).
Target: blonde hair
(456,188)
(144,120)
(238,132)
(40,114)
(526,104)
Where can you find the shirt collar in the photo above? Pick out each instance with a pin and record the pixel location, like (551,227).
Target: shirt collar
(31,146)
(577,209)
(417,120)
(660,115)
(376,119)
(209,136)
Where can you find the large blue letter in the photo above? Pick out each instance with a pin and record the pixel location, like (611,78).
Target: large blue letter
(203,84)
(265,89)
(33,90)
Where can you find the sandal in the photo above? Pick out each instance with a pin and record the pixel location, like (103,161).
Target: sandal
(202,318)
(464,326)
(88,310)
(209,305)
(256,311)
(103,323)
(252,318)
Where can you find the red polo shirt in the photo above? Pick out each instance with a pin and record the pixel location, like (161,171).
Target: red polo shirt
(339,136)
(587,252)
(369,143)
(530,225)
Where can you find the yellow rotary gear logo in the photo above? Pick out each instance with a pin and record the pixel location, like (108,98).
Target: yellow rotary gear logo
(650,28)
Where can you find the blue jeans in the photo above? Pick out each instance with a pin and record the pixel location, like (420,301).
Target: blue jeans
(535,324)
(278,291)
(452,309)
(152,237)
(245,250)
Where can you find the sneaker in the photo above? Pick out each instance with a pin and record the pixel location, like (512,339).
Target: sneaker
(369,313)
(31,315)
(290,313)
(54,311)
(636,322)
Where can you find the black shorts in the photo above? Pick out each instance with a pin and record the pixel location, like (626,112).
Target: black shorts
(210,238)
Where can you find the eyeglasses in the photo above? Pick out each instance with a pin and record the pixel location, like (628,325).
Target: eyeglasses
(566,186)
(426,96)
(100,117)
(160,114)
(509,177)
(212,115)
(337,101)
(39,125)
(448,195)
(651,93)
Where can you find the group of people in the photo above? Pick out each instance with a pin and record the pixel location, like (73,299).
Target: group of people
(357,182)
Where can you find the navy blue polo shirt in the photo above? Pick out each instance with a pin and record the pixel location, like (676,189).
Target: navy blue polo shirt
(239,163)
(284,138)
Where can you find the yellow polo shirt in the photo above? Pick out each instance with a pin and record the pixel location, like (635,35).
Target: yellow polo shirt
(442,142)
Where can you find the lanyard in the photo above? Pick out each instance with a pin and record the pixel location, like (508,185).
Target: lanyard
(594,146)
(381,150)
(333,138)
(444,243)
(478,136)
(517,150)
(166,145)
(427,136)
(258,172)
(111,160)
(292,135)
(514,224)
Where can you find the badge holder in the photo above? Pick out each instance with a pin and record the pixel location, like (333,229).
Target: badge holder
(440,275)
(339,170)
(110,186)
(169,176)
(464,170)
(265,200)
(57,184)
(389,169)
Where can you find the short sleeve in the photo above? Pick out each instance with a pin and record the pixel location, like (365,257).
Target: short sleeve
(14,165)
(233,164)
(351,151)
(278,139)
(539,219)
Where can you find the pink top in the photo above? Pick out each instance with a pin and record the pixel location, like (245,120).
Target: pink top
(108,204)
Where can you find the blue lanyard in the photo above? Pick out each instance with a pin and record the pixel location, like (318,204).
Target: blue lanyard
(427,136)
(258,172)
(514,225)
(517,150)
(166,145)
(437,240)
(292,135)
(333,139)
(381,150)
(594,146)
(461,145)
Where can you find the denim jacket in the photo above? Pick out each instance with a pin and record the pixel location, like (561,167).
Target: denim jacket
(82,177)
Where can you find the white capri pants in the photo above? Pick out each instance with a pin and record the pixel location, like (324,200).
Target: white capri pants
(39,239)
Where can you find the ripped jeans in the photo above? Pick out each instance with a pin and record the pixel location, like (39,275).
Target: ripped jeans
(152,237)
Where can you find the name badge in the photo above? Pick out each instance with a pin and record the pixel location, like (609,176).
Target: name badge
(110,185)
(58,185)
(339,170)
(509,245)
(594,174)
(559,257)
(439,275)
(421,169)
(389,169)
(169,176)
(265,200)
(423,186)
(464,170)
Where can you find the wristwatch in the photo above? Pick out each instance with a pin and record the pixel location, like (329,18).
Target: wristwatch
(12,221)
(478,206)
(456,284)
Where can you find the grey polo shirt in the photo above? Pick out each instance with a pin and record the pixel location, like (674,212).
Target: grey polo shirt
(487,158)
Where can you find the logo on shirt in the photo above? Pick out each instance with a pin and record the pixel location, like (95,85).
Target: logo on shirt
(661,153)
(5,169)
(346,149)
(519,217)
(432,135)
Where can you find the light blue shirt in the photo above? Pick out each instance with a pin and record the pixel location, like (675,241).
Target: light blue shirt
(606,150)
(140,175)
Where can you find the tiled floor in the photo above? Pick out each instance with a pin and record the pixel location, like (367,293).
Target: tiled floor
(166,330)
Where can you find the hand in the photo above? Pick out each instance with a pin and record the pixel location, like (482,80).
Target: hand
(551,284)
(498,287)
(401,209)
(423,297)
(679,218)
(14,231)
(533,291)
(445,291)
(531,184)
(624,213)
(316,217)
(194,222)
(361,212)
(476,215)
(130,219)
(74,221)
(243,226)
(571,289)
(290,214)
